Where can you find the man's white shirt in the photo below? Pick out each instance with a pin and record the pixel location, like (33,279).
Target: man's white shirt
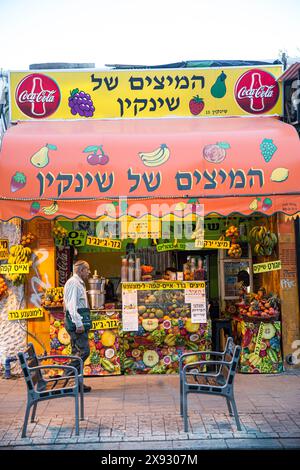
(75,297)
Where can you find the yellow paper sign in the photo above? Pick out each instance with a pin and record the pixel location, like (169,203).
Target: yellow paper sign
(163,285)
(265,267)
(193,92)
(217,244)
(148,228)
(104,243)
(105,324)
(4,249)
(27,313)
(170,246)
(14,268)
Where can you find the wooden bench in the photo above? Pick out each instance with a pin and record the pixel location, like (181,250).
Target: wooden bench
(212,377)
(40,388)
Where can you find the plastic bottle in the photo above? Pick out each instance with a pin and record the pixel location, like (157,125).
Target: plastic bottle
(192,268)
(130,269)
(138,271)
(124,270)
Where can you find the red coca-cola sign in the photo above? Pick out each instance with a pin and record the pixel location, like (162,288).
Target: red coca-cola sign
(256,91)
(37,96)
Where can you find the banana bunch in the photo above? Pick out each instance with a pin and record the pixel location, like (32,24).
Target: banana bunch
(52,209)
(254,359)
(18,254)
(265,240)
(157,157)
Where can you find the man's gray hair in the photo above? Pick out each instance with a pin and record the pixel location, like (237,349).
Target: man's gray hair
(80,265)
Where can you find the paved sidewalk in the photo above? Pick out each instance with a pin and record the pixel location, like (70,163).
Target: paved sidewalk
(142,412)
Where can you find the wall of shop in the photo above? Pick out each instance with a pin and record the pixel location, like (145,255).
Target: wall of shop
(12,333)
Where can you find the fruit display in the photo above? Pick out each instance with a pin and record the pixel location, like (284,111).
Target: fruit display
(235,250)
(104,345)
(264,240)
(146,271)
(53,298)
(260,306)
(261,346)
(19,254)
(104,357)
(59,231)
(164,333)
(27,239)
(3,287)
(232,232)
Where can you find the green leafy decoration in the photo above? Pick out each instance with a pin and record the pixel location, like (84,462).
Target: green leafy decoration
(51,147)
(91,148)
(73,92)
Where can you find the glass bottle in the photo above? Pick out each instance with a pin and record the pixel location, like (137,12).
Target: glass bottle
(124,270)
(130,269)
(138,271)
(192,268)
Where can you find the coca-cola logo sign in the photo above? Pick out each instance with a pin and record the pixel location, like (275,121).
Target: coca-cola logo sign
(37,96)
(256,91)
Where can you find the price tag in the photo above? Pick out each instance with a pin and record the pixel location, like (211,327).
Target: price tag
(265,267)
(77,237)
(218,244)
(4,248)
(14,268)
(104,243)
(25,314)
(105,324)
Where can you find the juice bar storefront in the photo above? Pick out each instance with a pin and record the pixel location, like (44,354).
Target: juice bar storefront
(146,324)
(134,197)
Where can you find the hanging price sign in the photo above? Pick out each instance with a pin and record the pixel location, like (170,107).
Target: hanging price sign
(104,243)
(4,249)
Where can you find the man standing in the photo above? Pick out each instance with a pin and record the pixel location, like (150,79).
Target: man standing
(77,310)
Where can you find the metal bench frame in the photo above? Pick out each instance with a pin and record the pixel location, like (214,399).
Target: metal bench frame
(36,383)
(225,366)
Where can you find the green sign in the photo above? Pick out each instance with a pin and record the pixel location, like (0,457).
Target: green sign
(77,237)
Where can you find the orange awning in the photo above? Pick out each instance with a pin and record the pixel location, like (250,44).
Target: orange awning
(242,165)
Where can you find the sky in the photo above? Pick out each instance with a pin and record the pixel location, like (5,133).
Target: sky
(147,32)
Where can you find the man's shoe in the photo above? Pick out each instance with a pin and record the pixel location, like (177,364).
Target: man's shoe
(86,388)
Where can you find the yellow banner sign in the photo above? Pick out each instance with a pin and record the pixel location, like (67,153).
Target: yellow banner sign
(104,243)
(170,246)
(98,94)
(4,253)
(14,268)
(217,244)
(105,324)
(27,313)
(265,267)
(163,285)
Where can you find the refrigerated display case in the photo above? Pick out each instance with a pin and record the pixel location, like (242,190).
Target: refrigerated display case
(229,271)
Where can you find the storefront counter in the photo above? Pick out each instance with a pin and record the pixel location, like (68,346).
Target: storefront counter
(165,314)
(261,345)
(104,340)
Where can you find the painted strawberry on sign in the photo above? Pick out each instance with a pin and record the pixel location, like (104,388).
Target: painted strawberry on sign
(17,182)
(196,105)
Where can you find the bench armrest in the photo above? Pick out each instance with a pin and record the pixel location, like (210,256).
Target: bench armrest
(58,356)
(56,367)
(205,363)
(213,353)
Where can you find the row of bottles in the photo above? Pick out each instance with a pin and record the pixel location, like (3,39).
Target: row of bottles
(131,270)
(194,271)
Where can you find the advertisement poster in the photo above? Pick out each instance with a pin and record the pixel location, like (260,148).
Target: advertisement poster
(192,92)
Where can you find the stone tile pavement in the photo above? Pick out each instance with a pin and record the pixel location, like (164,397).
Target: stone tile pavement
(142,412)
